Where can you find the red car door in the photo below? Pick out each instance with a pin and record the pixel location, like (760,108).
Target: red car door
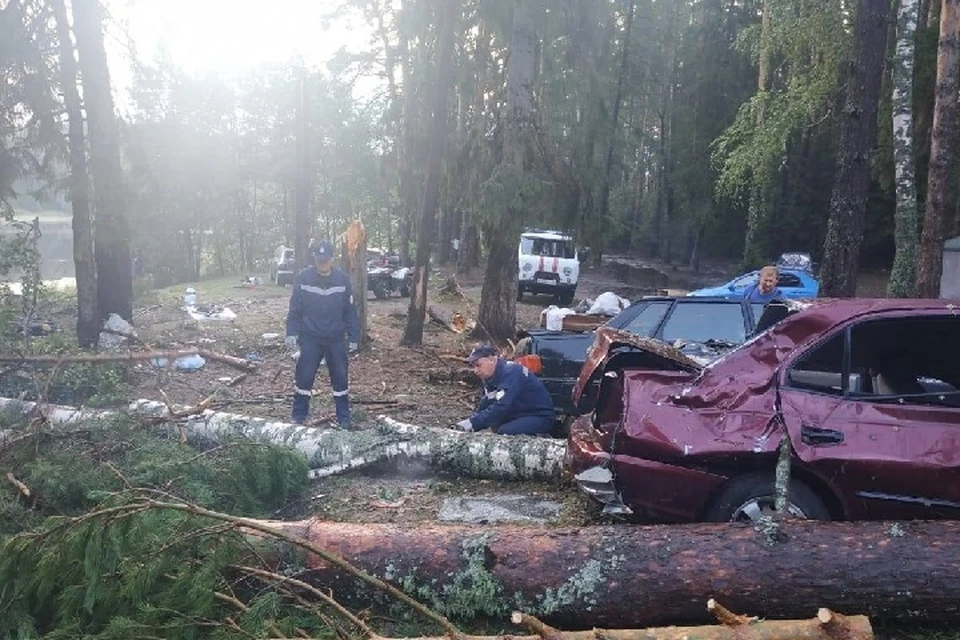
(874,410)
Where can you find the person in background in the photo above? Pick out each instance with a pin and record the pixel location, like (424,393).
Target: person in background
(765,288)
(320,318)
(514,401)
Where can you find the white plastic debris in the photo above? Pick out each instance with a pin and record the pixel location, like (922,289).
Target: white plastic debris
(608,304)
(115,324)
(219,314)
(190,298)
(190,363)
(554,317)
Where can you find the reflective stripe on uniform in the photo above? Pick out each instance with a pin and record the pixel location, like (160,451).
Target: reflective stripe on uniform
(302,392)
(339,394)
(329,291)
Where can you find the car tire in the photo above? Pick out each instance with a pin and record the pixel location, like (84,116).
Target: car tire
(404,290)
(380,290)
(747,497)
(565,298)
(519,294)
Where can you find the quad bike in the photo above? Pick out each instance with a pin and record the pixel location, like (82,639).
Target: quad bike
(384,280)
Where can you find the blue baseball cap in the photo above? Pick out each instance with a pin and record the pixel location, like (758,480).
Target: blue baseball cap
(323,251)
(481,351)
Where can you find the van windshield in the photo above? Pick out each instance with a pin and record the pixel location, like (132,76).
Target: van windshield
(547,248)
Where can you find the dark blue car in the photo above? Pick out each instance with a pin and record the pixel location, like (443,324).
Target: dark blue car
(702,328)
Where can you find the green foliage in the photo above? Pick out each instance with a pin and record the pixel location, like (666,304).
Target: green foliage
(70,472)
(146,572)
(89,384)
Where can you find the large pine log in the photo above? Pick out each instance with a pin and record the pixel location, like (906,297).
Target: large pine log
(638,576)
(332,451)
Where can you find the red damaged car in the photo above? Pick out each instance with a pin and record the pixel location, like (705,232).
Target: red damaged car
(866,390)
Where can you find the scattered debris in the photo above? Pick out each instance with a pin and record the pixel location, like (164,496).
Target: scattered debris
(211,313)
(116,333)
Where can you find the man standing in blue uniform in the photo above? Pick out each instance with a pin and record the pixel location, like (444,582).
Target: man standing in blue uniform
(321,314)
(514,401)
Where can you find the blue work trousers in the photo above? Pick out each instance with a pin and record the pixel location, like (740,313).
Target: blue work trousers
(527,426)
(311,353)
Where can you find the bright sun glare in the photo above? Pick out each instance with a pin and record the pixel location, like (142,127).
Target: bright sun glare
(230,36)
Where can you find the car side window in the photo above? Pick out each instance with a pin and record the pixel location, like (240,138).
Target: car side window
(789,280)
(821,368)
(703,321)
(645,323)
(906,360)
(746,280)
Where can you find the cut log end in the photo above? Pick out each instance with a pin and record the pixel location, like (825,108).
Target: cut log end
(726,617)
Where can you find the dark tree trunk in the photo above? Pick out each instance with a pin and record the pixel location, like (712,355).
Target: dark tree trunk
(303,224)
(408,187)
(615,118)
(85,268)
(627,576)
(858,134)
(942,152)
(497,315)
(498,299)
(111,227)
(413,332)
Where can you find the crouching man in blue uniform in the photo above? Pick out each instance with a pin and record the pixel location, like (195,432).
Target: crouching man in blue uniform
(321,315)
(514,401)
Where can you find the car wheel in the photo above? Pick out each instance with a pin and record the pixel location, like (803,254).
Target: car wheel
(519,294)
(565,298)
(404,290)
(748,498)
(380,290)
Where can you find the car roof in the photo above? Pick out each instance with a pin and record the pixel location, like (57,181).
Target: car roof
(546,235)
(754,362)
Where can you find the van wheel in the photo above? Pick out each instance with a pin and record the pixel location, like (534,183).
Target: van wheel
(749,497)
(519,294)
(565,298)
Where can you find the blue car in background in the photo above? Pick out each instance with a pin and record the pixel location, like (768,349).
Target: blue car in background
(796,280)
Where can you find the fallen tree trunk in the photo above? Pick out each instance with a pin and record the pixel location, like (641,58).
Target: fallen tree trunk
(332,451)
(637,576)
(132,356)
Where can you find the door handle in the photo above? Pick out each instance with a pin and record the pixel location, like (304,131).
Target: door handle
(815,436)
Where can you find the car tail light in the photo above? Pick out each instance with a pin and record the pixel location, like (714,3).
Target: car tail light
(531,362)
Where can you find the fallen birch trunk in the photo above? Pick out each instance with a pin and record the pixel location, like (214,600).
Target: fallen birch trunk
(332,451)
(630,576)
(133,356)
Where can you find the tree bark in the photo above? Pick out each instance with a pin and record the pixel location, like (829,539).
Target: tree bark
(84,265)
(332,451)
(303,224)
(942,151)
(615,117)
(635,576)
(497,315)
(903,275)
(413,331)
(111,227)
(858,134)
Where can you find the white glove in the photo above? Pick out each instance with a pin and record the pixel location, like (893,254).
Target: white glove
(353,346)
(465,425)
(291,343)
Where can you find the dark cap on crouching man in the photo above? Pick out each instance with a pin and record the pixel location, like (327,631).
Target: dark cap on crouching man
(321,317)
(513,402)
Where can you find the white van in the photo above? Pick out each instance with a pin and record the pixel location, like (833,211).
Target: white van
(548,263)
